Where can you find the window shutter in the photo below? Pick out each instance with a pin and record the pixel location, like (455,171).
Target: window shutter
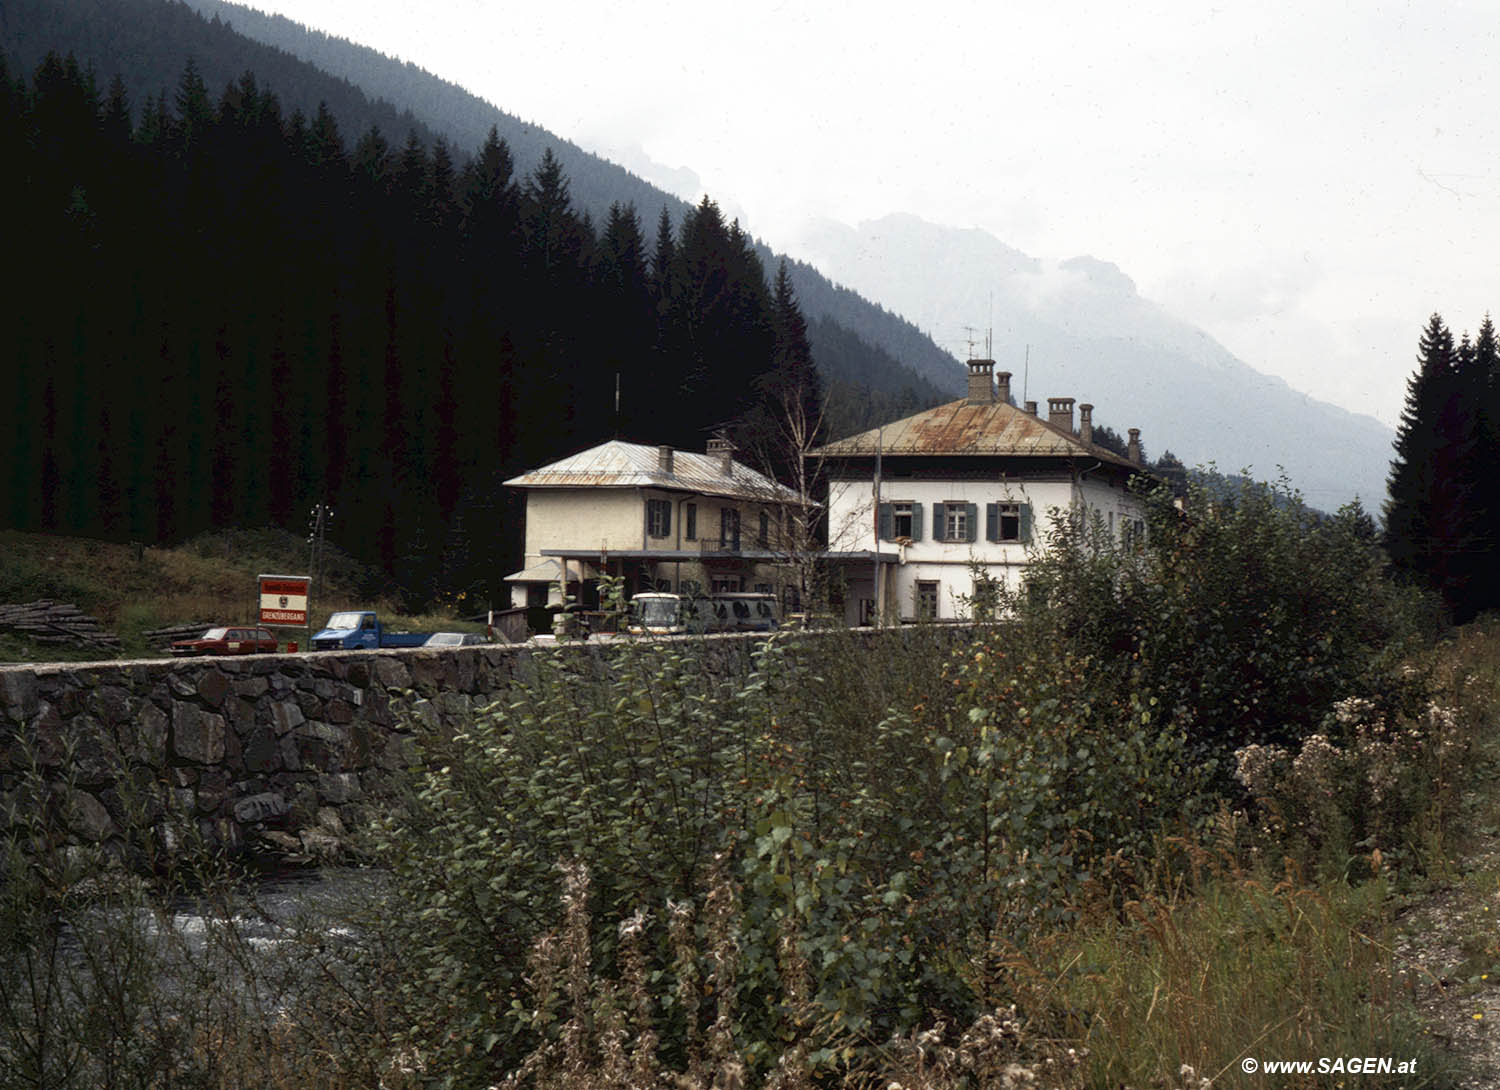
(939,525)
(666,518)
(916,522)
(992,522)
(885,522)
(1026,524)
(971,521)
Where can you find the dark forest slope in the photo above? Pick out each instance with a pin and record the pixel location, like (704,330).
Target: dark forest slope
(146,42)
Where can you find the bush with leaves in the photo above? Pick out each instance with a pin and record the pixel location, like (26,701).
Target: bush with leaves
(1243,612)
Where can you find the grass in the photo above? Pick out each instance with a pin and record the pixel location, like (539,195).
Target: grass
(210,579)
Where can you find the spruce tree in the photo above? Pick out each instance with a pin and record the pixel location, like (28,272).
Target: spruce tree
(1428,532)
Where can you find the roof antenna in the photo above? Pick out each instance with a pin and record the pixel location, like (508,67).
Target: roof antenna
(617,404)
(971,334)
(989,334)
(1025,373)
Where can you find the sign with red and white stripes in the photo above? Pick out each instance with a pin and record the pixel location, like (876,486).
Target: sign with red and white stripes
(283,599)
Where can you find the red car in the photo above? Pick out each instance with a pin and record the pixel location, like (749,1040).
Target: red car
(227,641)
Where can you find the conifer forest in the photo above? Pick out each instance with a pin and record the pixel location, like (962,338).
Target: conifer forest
(1442,512)
(223,315)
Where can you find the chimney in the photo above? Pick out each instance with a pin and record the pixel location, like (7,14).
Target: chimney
(1133,448)
(725,450)
(664,460)
(1060,412)
(1031,407)
(981,389)
(1086,422)
(1002,381)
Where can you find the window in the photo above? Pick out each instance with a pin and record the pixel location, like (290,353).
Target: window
(927,600)
(763,536)
(954,521)
(729,529)
(658,518)
(1007,522)
(1132,533)
(732,584)
(690,522)
(902,518)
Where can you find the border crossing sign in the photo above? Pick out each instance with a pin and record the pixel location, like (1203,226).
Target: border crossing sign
(283,599)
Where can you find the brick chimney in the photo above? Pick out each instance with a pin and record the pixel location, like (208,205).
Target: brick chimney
(1133,448)
(725,450)
(664,460)
(981,388)
(1002,383)
(1086,422)
(1031,407)
(1060,412)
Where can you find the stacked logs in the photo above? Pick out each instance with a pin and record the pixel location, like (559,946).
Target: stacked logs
(163,638)
(52,622)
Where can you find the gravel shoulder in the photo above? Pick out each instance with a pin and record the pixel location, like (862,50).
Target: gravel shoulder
(1448,954)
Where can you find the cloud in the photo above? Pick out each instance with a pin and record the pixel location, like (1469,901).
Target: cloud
(1276,286)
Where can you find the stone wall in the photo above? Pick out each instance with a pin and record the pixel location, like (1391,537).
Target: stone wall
(271,754)
(277,755)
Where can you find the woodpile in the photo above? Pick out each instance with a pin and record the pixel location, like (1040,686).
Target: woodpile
(163,638)
(52,622)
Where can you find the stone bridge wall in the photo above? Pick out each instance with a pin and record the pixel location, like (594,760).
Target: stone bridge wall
(274,754)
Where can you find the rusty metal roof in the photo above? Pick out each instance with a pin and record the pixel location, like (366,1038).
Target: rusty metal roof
(962,428)
(617,464)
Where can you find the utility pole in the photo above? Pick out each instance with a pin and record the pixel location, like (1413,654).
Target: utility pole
(875,580)
(317,526)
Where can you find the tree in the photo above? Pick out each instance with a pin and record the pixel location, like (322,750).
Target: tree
(1429,519)
(783,427)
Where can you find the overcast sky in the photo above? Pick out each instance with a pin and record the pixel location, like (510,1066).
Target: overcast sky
(1307,181)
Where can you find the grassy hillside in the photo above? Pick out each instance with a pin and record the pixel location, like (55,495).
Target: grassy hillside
(211,578)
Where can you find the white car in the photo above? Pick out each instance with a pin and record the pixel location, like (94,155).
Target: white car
(454,639)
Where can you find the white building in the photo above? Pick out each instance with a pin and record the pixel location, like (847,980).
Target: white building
(661,519)
(916,505)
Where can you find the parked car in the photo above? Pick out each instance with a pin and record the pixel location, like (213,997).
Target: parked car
(663,614)
(360,629)
(744,611)
(227,641)
(454,639)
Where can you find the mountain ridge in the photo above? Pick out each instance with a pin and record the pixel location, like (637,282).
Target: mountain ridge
(1085,329)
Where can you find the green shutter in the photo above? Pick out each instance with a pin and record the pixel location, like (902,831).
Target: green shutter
(885,520)
(1025,524)
(916,522)
(992,522)
(666,520)
(939,527)
(971,520)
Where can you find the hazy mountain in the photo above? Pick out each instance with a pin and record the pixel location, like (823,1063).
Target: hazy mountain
(1090,335)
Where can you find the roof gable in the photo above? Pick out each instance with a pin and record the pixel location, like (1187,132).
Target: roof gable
(617,464)
(964,428)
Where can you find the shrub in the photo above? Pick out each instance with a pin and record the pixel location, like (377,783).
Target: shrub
(1244,613)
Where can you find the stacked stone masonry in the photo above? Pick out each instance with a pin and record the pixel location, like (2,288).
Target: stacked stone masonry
(277,755)
(271,754)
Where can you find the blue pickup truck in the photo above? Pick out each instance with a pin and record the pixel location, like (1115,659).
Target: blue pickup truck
(360,630)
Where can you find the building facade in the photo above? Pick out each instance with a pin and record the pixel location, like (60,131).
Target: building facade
(918,506)
(658,518)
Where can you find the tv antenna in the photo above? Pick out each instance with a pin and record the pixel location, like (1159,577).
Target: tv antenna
(971,334)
